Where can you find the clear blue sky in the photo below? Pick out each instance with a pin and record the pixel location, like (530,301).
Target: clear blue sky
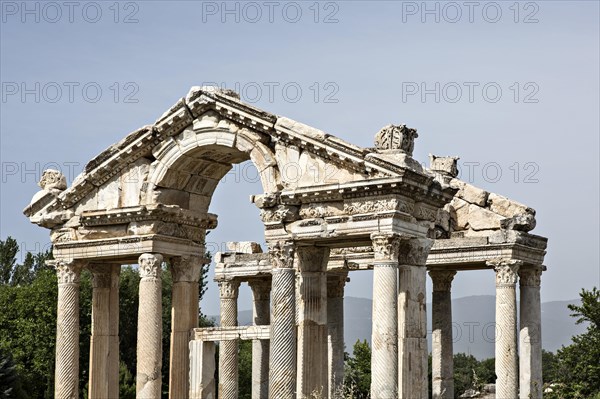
(358,66)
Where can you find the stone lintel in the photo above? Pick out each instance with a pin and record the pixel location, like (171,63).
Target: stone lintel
(231,333)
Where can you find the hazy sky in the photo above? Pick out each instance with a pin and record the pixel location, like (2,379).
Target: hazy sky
(511,88)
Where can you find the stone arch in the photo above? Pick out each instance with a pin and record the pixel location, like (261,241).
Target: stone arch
(188,167)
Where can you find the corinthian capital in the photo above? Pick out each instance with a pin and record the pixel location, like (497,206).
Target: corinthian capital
(530,277)
(101,275)
(282,254)
(442,279)
(506,271)
(386,246)
(414,251)
(67,270)
(186,268)
(228,289)
(261,289)
(149,265)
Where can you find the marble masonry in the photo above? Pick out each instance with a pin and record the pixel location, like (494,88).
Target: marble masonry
(330,209)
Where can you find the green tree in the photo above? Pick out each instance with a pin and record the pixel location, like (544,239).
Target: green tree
(578,369)
(357,370)
(549,366)
(8,259)
(245,367)
(10,384)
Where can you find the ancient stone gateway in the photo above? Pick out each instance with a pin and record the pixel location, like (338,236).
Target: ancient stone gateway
(329,208)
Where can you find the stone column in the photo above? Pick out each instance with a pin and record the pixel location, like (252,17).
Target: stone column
(442,352)
(530,337)
(149,337)
(311,299)
(507,378)
(104,357)
(261,314)
(228,353)
(66,382)
(184,317)
(384,338)
(335,334)
(412,318)
(282,371)
(202,370)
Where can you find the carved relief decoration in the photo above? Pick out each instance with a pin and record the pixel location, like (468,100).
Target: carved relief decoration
(228,289)
(67,271)
(506,271)
(396,137)
(186,268)
(149,265)
(414,251)
(386,246)
(282,254)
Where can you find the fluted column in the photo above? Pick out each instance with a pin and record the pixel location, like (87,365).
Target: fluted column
(384,339)
(507,378)
(311,299)
(184,317)
(412,318)
(335,334)
(530,336)
(442,352)
(282,372)
(149,340)
(228,353)
(104,357)
(66,382)
(261,315)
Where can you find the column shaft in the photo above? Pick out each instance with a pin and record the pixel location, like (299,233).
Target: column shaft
(101,354)
(261,290)
(530,335)
(202,370)
(113,351)
(507,382)
(442,351)
(228,353)
(67,331)
(149,341)
(335,334)
(412,319)
(282,372)
(184,317)
(384,353)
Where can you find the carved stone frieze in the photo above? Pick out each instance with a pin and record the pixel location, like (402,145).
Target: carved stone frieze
(319,210)
(442,279)
(359,206)
(396,137)
(282,213)
(281,254)
(425,212)
(386,246)
(228,289)
(150,265)
(506,271)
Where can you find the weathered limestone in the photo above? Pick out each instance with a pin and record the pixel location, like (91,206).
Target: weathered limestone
(384,353)
(282,373)
(66,380)
(441,341)
(184,317)
(507,374)
(335,333)
(104,354)
(202,370)
(412,318)
(228,353)
(311,300)
(530,335)
(149,337)
(261,314)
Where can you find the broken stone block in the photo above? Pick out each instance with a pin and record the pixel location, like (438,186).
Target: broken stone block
(506,207)
(245,247)
(483,219)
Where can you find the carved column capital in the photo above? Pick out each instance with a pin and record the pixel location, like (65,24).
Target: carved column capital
(150,265)
(414,251)
(281,254)
(261,289)
(506,271)
(186,268)
(442,279)
(530,277)
(336,285)
(385,246)
(228,289)
(68,271)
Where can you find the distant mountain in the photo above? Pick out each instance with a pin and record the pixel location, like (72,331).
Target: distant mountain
(473,324)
